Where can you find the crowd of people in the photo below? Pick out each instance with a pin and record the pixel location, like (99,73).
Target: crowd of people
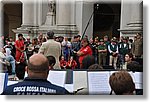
(75,53)
(65,53)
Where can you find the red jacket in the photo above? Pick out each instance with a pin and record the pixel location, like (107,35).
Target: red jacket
(73,64)
(86,51)
(19,55)
(63,63)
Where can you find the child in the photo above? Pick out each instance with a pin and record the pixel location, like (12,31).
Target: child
(63,63)
(72,63)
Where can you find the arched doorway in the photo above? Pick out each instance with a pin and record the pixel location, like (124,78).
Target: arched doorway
(106,20)
(12,17)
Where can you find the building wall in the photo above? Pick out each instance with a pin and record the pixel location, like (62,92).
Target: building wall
(1,19)
(78,15)
(131,18)
(84,11)
(87,12)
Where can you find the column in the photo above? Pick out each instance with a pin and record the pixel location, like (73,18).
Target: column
(1,30)
(28,13)
(1,18)
(84,11)
(125,14)
(65,18)
(131,18)
(63,12)
(40,21)
(136,12)
(86,14)
(36,12)
(30,18)
(78,16)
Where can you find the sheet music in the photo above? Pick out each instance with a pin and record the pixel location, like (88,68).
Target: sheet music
(79,79)
(99,82)
(139,85)
(57,77)
(132,75)
(26,74)
(12,82)
(138,76)
(2,82)
(137,79)
(69,87)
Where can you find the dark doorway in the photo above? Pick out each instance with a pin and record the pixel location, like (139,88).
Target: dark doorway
(12,17)
(106,20)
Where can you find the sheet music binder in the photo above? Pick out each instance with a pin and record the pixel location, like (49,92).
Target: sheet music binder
(98,82)
(69,77)
(4,81)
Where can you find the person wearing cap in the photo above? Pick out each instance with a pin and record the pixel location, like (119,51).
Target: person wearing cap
(102,53)
(123,50)
(114,38)
(28,42)
(107,42)
(113,50)
(94,46)
(51,48)
(36,83)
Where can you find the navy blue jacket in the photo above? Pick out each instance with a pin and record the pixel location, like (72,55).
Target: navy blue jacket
(34,87)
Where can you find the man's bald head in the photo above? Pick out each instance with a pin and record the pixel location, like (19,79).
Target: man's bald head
(38,63)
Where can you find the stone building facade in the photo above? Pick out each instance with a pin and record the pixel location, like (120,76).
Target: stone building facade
(70,17)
